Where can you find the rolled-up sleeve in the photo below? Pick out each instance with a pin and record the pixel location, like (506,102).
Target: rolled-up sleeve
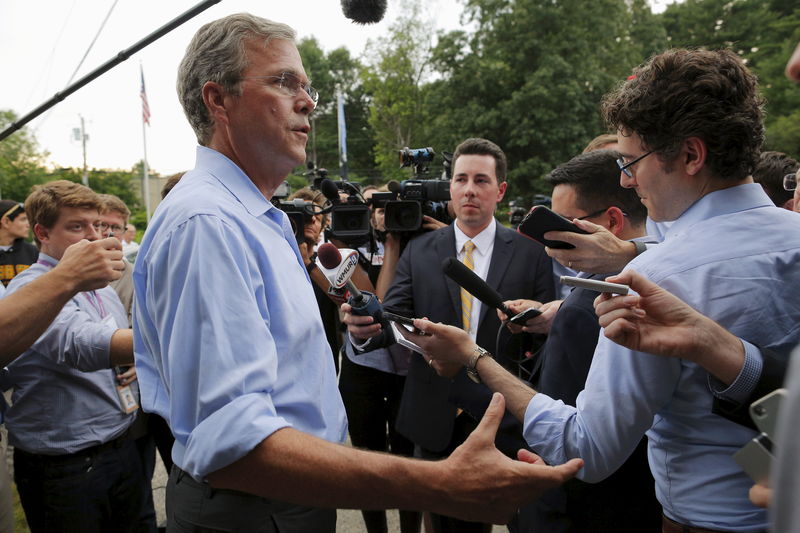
(624,390)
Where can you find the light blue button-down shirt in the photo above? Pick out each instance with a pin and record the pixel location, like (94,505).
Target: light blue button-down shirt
(228,338)
(734,257)
(65,397)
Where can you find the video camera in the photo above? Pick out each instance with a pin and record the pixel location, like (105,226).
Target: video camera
(350,217)
(298,210)
(406,202)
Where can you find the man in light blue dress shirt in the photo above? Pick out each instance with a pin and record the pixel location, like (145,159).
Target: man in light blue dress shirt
(74,466)
(690,125)
(230,348)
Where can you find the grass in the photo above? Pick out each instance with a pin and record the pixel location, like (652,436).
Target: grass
(20,525)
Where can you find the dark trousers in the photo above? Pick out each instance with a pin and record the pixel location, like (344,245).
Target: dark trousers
(371,399)
(194,507)
(96,490)
(464,425)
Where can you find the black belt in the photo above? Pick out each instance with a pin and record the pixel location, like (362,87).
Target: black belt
(85,453)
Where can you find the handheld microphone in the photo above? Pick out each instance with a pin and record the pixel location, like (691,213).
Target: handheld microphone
(339,268)
(364,11)
(473,284)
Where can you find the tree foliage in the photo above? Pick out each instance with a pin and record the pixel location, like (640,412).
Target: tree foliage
(21,161)
(527,74)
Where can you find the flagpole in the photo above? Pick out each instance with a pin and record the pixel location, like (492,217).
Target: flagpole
(145,170)
(342,133)
(145,175)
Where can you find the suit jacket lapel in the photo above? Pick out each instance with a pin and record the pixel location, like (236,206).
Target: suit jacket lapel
(501,258)
(446,247)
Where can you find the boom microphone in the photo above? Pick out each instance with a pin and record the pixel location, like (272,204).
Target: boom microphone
(473,284)
(364,11)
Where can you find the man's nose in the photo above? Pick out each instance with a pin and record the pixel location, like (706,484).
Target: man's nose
(626,181)
(93,233)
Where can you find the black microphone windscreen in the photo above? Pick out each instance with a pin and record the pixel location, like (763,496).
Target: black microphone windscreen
(393,186)
(472,283)
(330,190)
(364,11)
(329,255)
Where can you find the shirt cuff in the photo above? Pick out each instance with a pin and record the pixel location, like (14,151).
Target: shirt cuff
(359,347)
(744,384)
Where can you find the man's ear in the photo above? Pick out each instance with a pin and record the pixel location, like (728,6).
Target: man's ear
(42,233)
(214,98)
(616,220)
(502,190)
(695,155)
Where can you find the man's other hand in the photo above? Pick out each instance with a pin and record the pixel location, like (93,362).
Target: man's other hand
(446,348)
(486,486)
(538,324)
(359,327)
(92,265)
(599,252)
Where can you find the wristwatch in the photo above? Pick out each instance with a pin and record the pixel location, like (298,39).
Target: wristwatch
(472,367)
(311,266)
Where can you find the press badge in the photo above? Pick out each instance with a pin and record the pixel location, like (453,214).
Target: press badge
(127,399)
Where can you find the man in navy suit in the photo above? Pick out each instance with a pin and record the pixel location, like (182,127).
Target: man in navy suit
(438,413)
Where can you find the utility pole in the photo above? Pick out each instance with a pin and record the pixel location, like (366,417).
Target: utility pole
(84,138)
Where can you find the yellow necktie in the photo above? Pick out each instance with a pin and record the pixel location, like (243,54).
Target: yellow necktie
(466,298)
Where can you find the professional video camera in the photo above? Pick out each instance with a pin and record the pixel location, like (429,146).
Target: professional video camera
(406,202)
(298,210)
(350,216)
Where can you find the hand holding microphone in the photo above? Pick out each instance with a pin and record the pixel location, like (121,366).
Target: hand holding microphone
(473,284)
(339,266)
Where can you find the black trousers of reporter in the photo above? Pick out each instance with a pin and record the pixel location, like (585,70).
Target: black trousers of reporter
(99,489)
(371,398)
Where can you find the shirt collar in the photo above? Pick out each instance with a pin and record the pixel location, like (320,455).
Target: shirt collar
(235,180)
(482,240)
(722,202)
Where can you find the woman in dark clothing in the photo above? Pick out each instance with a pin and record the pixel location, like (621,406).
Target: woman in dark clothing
(15,253)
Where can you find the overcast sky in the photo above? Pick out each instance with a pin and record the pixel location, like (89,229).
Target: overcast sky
(42,43)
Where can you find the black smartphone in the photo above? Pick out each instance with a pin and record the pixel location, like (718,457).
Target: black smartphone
(397,318)
(540,220)
(523,317)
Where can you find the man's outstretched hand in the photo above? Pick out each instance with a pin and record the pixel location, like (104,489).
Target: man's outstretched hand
(486,486)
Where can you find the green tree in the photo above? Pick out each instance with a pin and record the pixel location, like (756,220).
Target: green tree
(532,75)
(764,34)
(21,161)
(393,77)
(329,72)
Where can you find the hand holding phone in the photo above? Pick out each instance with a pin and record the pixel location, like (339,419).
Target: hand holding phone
(521,319)
(540,220)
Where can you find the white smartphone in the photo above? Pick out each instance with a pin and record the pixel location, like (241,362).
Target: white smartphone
(595,285)
(402,341)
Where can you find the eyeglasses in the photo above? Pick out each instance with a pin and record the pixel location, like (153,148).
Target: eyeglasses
(600,212)
(105,226)
(290,84)
(624,167)
(790,181)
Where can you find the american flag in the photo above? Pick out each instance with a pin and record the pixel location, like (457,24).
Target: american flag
(145,105)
